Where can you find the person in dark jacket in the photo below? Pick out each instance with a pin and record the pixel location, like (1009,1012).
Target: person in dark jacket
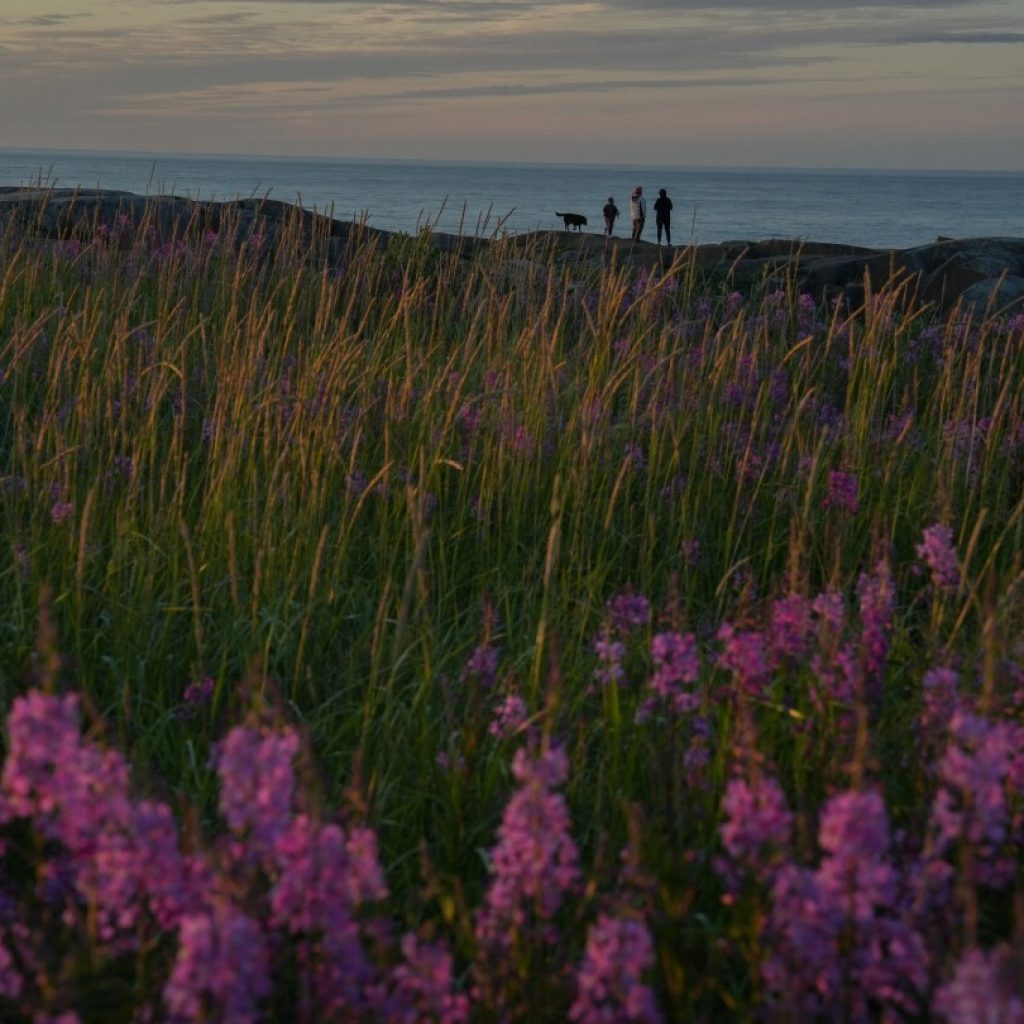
(610,211)
(663,216)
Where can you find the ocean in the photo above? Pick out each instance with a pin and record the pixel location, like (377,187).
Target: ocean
(860,207)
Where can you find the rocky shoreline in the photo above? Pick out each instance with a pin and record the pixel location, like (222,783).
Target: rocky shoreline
(981,276)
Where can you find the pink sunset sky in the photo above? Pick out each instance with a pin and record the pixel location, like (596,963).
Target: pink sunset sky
(797,83)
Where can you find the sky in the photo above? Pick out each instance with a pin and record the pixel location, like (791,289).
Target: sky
(788,83)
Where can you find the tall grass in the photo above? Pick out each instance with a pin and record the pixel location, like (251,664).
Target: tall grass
(324,485)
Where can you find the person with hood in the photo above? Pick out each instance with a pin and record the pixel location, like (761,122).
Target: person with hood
(638,211)
(663,215)
(610,211)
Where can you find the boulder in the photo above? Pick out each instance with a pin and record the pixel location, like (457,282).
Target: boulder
(995,296)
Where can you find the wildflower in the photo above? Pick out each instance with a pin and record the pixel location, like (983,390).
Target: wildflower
(971,805)
(676,666)
(510,717)
(257,785)
(842,491)
(744,653)
(609,984)
(792,626)
(830,609)
(10,978)
(323,877)
(757,826)
(939,687)
(610,654)
(200,692)
(61,510)
(877,601)
(839,948)
(628,612)
(535,862)
(854,834)
(938,551)
(780,388)
(482,666)
(423,985)
(807,310)
(222,965)
(43,736)
(985,989)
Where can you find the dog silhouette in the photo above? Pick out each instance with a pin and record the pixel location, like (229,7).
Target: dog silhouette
(576,220)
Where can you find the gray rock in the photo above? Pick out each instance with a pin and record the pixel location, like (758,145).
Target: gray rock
(995,296)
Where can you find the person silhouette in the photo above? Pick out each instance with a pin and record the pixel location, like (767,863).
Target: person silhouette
(638,211)
(610,211)
(663,215)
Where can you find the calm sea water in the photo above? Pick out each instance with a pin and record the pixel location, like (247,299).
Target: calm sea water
(874,208)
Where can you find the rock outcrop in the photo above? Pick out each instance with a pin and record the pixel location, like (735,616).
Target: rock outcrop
(981,276)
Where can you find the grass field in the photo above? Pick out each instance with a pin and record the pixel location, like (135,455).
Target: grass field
(502,640)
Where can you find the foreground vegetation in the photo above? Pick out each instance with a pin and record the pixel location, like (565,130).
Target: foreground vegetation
(426,639)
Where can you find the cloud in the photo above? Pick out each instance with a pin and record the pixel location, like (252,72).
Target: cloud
(193,65)
(40,20)
(819,6)
(969,38)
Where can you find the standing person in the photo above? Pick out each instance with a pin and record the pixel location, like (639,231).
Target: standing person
(638,211)
(663,215)
(610,211)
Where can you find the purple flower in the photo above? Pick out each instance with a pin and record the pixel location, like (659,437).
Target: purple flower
(971,804)
(838,947)
(985,989)
(628,612)
(11,981)
(534,865)
(423,986)
(42,736)
(222,965)
(609,985)
(792,626)
(807,309)
(482,665)
(200,692)
(610,654)
(745,654)
(842,491)
(854,834)
(510,717)
(61,510)
(257,784)
(133,866)
(939,687)
(323,877)
(939,552)
(757,823)
(877,600)
(676,668)
(830,609)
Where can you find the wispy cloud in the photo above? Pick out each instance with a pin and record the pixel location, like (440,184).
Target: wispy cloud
(236,62)
(967,38)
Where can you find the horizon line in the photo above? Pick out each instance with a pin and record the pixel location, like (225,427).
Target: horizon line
(471,162)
